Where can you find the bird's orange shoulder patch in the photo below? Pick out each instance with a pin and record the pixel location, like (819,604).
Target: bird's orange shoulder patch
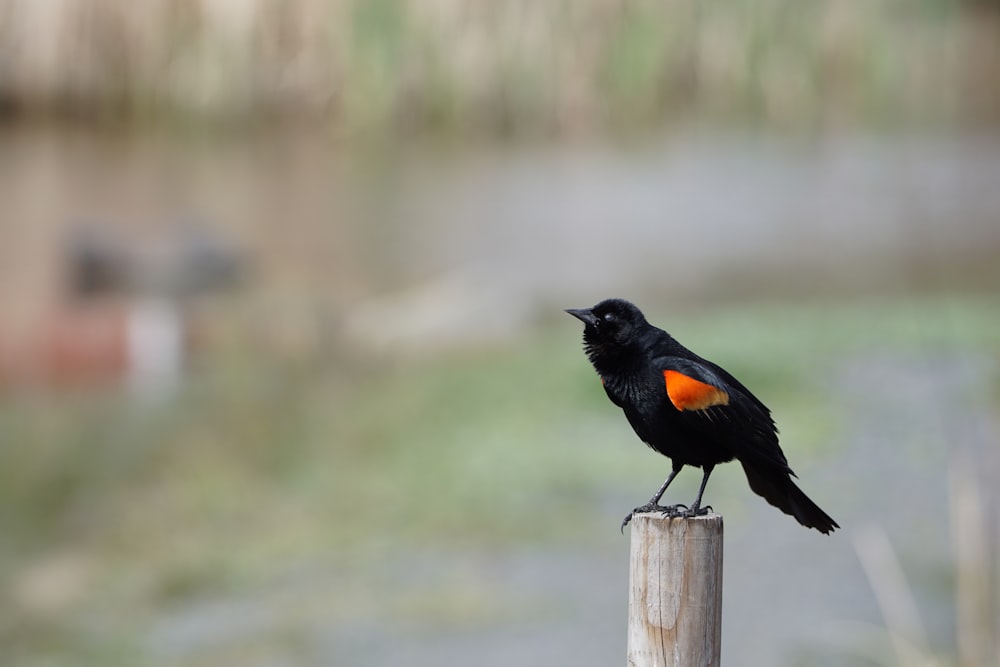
(686,393)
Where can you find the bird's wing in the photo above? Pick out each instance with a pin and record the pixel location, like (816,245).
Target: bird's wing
(692,386)
(709,397)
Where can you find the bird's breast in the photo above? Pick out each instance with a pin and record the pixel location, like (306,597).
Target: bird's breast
(633,390)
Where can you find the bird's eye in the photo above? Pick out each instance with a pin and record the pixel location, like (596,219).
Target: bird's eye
(609,317)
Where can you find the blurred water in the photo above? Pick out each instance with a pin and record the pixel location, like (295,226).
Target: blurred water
(469,242)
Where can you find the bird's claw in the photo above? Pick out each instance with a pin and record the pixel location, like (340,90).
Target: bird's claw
(697,511)
(678,511)
(670,511)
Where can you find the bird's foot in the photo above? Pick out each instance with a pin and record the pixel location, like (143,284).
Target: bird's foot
(665,510)
(696,510)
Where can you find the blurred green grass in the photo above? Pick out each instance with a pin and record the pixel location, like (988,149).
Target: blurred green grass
(112,509)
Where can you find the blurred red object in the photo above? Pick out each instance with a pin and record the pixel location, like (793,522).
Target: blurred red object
(92,345)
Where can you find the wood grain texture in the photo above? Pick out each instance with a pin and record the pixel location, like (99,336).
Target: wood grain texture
(675,591)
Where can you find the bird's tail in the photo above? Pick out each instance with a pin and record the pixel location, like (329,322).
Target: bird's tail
(776,487)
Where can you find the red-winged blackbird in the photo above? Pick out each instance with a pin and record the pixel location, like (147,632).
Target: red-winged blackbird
(690,410)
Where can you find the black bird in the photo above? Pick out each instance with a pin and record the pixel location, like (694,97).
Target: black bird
(690,410)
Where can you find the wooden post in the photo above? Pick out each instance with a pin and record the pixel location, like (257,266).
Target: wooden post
(675,591)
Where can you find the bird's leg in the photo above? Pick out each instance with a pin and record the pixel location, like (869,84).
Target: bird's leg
(654,503)
(696,508)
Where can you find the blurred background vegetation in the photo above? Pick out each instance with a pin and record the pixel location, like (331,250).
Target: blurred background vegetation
(284,377)
(502,68)
(552,66)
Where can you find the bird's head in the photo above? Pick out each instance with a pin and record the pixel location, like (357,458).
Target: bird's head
(613,323)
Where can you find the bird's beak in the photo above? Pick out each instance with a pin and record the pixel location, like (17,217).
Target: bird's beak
(585,315)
